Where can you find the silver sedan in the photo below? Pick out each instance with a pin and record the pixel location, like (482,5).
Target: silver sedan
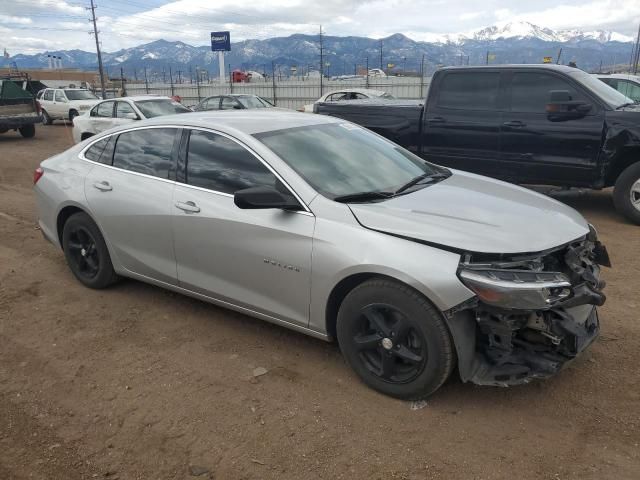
(324,227)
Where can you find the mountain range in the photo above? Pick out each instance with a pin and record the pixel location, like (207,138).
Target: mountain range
(515,42)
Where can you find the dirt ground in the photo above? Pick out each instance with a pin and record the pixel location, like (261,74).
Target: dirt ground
(135,382)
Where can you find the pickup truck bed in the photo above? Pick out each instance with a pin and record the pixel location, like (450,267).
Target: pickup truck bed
(18,109)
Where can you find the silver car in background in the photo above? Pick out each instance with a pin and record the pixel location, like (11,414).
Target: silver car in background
(324,227)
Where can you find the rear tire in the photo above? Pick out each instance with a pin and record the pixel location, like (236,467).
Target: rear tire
(86,252)
(395,339)
(46,119)
(626,194)
(28,131)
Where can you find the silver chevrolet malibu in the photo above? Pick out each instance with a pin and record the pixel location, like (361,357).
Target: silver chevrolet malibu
(324,227)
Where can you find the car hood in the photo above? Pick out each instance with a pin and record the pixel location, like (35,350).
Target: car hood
(477,214)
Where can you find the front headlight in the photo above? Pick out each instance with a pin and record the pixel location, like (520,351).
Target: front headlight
(517,289)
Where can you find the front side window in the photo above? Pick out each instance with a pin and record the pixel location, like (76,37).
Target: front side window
(160,107)
(104,110)
(60,96)
(101,151)
(48,95)
(252,102)
(530,91)
(221,164)
(340,159)
(147,151)
(124,110)
(469,91)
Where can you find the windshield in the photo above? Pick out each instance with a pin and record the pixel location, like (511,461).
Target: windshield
(611,96)
(252,102)
(80,95)
(157,108)
(340,159)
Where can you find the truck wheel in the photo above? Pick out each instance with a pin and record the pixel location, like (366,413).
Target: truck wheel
(394,339)
(46,119)
(626,194)
(28,131)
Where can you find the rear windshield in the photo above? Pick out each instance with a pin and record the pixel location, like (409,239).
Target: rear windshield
(158,108)
(80,95)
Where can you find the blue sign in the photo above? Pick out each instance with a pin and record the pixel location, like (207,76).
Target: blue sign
(220,42)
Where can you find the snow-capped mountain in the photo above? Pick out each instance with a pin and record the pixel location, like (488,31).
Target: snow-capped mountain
(514,42)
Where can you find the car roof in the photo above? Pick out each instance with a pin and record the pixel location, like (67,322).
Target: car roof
(537,66)
(136,98)
(623,76)
(249,121)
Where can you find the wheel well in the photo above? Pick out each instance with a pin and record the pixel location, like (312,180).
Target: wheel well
(73,110)
(337,295)
(63,216)
(86,135)
(628,157)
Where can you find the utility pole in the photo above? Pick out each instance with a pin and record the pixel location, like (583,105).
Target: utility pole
(146,80)
(122,85)
(487,59)
(636,56)
(381,55)
(367,80)
(559,56)
(321,64)
(422,77)
(180,76)
(171,81)
(95,34)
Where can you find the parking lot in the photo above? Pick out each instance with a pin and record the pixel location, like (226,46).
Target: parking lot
(135,382)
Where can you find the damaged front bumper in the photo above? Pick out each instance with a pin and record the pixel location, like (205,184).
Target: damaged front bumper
(532,313)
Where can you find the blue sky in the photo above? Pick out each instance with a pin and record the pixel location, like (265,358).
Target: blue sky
(29,26)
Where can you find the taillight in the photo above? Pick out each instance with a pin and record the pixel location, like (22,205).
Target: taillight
(38,107)
(37,174)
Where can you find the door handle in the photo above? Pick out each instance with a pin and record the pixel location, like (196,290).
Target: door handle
(436,120)
(188,207)
(103,186)
(514,123)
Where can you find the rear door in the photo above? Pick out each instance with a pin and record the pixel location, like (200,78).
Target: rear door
(462,122)
(130,197)
(536,147)
(256,259)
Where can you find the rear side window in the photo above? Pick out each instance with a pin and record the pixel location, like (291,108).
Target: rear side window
(531,91)
(228,103)
(469,91)
(101,151)
(220,164)
(146,151)
(212,104)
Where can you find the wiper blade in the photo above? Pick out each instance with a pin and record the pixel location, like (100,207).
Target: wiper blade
(363,196)
(628,104)
(420,179)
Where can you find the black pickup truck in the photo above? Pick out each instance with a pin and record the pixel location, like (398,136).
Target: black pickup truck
(528,124)
(19,109)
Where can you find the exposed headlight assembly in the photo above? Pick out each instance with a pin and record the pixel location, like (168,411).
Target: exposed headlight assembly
(517,289)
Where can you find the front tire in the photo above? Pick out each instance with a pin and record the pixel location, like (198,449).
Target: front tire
(626,194)
(395,339)
(28,131)
(72,114)
(86,252)
(46,119)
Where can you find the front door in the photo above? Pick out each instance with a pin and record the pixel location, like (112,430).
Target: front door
(124,114)
(256,259)
(538,148)
(462,122)
(132,200)
(101,117)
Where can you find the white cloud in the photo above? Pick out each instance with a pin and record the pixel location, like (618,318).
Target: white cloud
(192,20)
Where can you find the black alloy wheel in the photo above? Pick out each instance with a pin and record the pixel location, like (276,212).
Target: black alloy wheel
(86,252)
(388,345)
(394,338)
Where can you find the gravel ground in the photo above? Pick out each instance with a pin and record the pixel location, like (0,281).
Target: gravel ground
(135,382)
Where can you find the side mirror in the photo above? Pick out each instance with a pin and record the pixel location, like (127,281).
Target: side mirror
(562,107)
(131,116)
(264,197)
